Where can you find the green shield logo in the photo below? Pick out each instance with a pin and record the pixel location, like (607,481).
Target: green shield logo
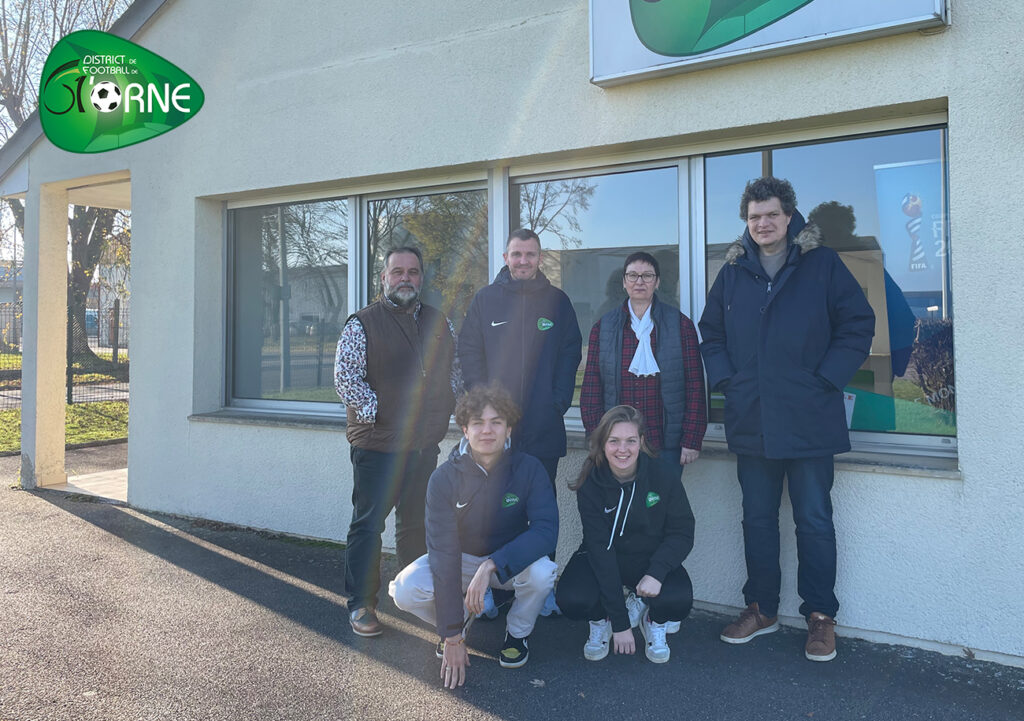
(652,498)
(99,92)
(545,324)
(691,27)
(509,500)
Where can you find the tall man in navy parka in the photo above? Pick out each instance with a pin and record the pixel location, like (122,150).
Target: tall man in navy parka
(785,327)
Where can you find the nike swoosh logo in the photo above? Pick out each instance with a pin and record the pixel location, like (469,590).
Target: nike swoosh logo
(495,325)
(609,510)
(461,505)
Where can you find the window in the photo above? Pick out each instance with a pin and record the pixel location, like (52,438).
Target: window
(880,202)
(289,299)
(589,225)
(451,231)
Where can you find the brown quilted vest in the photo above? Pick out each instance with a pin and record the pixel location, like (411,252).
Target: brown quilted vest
(408,365)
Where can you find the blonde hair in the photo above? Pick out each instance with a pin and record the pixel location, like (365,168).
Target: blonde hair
(595,456)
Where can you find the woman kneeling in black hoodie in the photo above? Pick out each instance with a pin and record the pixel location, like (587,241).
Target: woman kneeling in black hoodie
(637,530)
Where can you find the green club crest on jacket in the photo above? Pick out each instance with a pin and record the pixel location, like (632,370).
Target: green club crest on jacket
(509,500)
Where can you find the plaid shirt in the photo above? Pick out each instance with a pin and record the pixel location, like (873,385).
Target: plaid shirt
(644,392)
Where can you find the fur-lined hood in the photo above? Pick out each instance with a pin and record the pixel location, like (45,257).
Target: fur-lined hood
(808,239)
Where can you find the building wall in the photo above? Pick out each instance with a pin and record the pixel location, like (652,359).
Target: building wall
(312,97)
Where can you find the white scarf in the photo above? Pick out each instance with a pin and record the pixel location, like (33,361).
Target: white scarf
(643,363)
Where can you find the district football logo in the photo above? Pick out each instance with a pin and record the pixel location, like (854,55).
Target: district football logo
(652,498)
(691,27)
(99,92)
(545,324)
(105,97)
(509,500)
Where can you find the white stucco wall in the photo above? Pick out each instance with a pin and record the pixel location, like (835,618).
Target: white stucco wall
(312,96)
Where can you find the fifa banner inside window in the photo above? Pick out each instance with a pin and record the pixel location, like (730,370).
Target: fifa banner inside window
(633,39)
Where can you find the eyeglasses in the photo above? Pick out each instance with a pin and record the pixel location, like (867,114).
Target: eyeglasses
(634,277)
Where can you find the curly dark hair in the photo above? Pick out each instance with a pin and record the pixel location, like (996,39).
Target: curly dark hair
(471,405)
(767,188)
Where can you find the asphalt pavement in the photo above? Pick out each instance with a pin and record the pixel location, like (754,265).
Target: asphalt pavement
(113,614)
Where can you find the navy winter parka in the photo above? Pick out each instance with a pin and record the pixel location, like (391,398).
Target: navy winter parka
(524,334)
(508,515)
(782,351)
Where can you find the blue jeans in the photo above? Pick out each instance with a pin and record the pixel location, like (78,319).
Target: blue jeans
(810,486)
(380,482)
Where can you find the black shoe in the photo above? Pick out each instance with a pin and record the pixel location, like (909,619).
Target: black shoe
(514,652)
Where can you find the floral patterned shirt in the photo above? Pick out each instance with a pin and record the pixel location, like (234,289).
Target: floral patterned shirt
(350,369)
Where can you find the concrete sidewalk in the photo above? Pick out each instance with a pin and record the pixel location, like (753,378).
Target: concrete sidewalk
(113,614)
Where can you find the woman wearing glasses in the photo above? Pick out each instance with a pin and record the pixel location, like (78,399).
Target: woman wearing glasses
(645,354)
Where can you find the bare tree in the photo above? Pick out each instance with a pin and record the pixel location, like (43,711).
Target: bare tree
(28,30)
(552,208)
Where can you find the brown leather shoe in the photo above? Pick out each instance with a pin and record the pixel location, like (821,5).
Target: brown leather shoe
(749,625)
(364,623)
(821,638)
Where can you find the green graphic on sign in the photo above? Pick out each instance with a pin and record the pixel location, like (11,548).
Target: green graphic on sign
(692,27)
(100,92)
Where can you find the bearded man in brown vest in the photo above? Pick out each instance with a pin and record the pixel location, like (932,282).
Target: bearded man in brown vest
(395,372)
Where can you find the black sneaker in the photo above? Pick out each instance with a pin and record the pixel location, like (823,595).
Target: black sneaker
(514,652)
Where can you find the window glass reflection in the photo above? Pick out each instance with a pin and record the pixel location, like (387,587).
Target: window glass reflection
(290,270)
(451,231)
(588,227)
(881,204)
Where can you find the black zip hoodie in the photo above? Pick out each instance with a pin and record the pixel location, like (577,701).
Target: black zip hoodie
(648,520)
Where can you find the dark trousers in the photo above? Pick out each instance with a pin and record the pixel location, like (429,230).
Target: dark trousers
(382,481)
(810,486)
(671,456)
(551,466)
(579,596)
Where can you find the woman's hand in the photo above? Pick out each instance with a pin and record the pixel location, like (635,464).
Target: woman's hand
(623,641)
(454,662)
(649,587)
(688,455)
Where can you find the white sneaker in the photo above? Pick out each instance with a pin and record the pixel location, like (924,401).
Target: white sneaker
(636,609)
(654,635)
(596,646)
(671,626)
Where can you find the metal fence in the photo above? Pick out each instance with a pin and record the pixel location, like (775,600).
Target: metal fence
(10,355)
(97,355)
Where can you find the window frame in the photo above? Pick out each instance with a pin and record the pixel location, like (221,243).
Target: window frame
(497,180)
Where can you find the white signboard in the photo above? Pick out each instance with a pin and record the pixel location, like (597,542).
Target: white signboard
(633,39)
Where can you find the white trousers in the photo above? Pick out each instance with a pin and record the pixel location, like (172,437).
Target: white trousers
(413,590)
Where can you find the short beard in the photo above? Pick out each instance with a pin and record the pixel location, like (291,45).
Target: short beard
(392,294)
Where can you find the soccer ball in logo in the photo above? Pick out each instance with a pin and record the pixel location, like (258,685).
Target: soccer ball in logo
(105,97)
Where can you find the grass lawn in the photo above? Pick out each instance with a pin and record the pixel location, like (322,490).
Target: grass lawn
(10,361)
(83,423)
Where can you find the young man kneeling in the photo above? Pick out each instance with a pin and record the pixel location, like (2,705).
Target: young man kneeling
(491,521)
